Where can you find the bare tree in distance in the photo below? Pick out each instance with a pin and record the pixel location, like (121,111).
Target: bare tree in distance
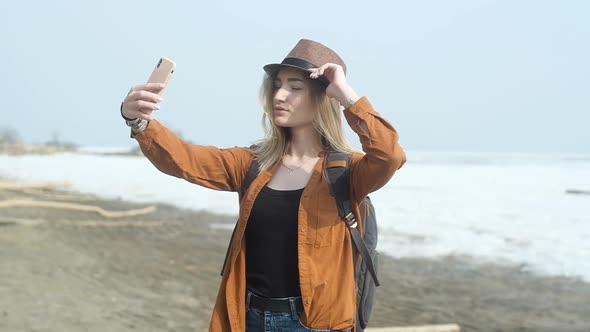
(9,136)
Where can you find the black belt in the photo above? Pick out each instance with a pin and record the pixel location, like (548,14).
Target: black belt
(276,305)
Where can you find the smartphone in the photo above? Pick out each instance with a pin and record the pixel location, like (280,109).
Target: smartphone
(163,72)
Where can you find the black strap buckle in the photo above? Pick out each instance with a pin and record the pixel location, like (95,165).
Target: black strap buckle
(350,220)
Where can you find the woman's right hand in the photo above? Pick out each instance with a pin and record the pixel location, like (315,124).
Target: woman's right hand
(141,101)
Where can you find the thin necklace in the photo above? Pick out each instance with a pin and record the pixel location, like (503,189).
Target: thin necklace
(291,170)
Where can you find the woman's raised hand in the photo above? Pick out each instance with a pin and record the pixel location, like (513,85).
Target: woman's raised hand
(141,101)
(338,87)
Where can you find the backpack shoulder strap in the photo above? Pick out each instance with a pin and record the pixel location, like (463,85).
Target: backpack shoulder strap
(337,170)
(250,176)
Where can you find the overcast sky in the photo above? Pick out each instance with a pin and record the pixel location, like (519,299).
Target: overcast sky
(507,76)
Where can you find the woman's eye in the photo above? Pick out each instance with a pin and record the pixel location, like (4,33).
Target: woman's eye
(296,88)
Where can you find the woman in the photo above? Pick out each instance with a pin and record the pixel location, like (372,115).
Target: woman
(290,265)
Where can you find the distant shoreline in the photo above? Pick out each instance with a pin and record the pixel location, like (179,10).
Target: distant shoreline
(24,149)
(47,149)
(36,148)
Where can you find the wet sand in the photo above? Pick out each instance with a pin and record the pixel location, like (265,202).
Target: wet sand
(73,271)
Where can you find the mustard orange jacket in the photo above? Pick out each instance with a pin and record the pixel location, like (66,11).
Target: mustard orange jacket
(325,249)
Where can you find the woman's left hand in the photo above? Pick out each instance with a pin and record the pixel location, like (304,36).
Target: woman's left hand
(338,88)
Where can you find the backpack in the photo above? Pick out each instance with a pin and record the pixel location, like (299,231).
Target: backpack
(337,171)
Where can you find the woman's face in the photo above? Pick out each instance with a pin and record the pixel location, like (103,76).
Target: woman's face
(292,103)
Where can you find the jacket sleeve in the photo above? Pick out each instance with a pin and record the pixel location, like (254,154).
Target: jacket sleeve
(208,166)
(383,154)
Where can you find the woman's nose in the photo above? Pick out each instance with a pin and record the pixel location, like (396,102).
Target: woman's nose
(281,94)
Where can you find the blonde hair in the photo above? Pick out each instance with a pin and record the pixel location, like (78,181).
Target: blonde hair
(327,123)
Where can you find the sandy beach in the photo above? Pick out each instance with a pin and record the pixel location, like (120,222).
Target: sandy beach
(66,270)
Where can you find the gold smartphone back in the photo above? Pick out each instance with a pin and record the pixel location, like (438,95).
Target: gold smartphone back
(162,72)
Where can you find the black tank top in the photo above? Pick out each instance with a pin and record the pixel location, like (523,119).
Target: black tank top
(271,244)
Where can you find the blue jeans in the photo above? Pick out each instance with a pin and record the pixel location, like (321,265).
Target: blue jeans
(267,321)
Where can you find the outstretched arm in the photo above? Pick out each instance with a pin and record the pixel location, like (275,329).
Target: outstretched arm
(208,166)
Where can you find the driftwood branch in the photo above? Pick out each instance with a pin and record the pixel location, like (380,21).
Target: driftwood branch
(54,195)
(20,221)
(75,207)
(81,223)
(45,189)
(114,223)
(577,192)
(425,328)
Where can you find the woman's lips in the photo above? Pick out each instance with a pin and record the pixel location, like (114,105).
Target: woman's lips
(280,110)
